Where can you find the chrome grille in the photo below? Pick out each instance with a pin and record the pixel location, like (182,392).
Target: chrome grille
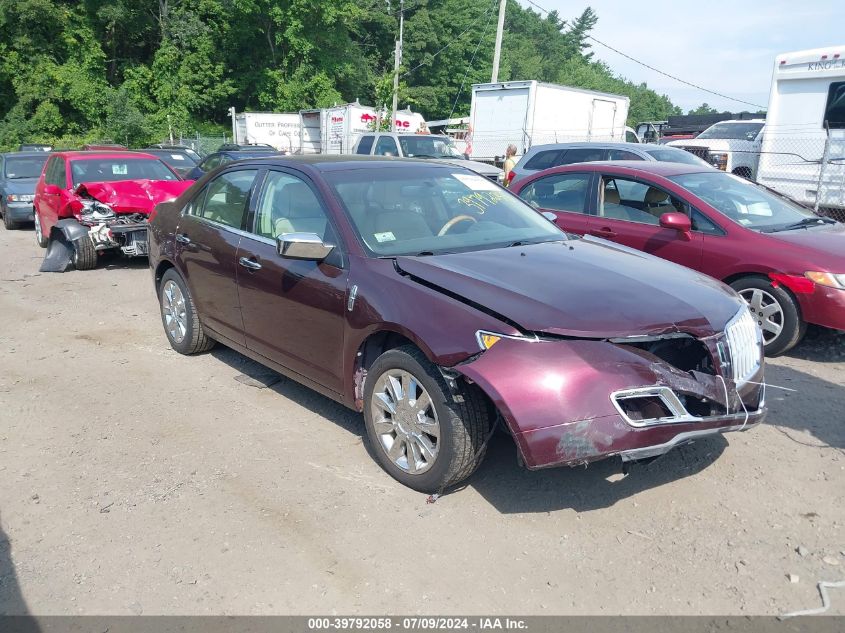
(745,346)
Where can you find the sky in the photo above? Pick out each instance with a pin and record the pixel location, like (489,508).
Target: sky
(727,47)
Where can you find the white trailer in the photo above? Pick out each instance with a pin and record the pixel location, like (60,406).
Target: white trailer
(803,146)
(335,130)
(528,113)
(280,129)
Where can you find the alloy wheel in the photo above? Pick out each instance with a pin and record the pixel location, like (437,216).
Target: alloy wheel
(405,421)
(173,307)
(766,310)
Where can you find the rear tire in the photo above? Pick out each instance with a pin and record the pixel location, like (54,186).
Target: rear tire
(179,316)
(39,231)
(444,437)
(84,254)
(774,308)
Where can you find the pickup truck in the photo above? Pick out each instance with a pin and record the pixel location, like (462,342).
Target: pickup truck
(428,146)
(732,146)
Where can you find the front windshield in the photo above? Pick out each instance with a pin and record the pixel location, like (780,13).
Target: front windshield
(430,210)
(672,155)
(732,131)
(429,147)
(745,203)
(25,167)
(114,169)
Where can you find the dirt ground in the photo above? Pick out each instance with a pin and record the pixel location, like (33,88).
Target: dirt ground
(135,480)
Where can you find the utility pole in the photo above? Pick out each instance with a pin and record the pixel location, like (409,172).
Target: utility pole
(500,30)
(232,113)
(397,63)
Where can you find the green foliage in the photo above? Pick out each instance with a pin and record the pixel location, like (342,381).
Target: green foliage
(704,108)
(134,71)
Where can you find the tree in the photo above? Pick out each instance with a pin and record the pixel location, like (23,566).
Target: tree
(704,108)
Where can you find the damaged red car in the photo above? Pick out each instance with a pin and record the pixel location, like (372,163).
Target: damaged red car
(441,306)
(91,202)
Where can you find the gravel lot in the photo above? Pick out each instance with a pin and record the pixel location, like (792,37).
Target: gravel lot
(134,480)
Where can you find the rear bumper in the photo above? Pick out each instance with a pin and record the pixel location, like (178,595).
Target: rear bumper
(560,400)
(20,211)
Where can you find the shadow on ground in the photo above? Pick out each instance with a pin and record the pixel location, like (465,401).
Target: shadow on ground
(815,408)
(11,598)
(820,345)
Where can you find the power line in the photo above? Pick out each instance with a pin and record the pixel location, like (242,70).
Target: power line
(471,26)
(657,70)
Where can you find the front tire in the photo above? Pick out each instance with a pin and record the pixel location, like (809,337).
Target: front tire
(84,254)
(8,222)
(179,316)
(775,311)
(422,435)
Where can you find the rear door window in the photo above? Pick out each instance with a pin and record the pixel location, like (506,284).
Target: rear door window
(559,192)
(621,154)
(365,145)
(583,155)
(386,146)
(834,112)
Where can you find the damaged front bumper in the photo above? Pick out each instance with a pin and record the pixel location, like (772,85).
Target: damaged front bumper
(574,401)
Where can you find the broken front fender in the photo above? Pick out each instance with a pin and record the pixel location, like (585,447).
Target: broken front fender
(561,399)
(60,245)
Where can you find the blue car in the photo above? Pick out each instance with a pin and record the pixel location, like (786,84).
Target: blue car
(19,173)
(227,154)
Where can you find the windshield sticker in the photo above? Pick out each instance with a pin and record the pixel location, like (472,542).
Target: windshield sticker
(177,157)
(120,170)
(481,200)
(477,183)
(384,237)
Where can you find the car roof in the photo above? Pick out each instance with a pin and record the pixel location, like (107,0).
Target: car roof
(596,144)
(96,154)
(340,162)
(656,168)
(27,154)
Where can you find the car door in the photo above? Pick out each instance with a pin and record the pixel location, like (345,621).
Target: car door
(293,310)
(207,238)
(566,194)
(51,203)
(628,212)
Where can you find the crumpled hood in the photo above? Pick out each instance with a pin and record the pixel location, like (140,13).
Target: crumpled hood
(21,186)
(590,289)
(133,196)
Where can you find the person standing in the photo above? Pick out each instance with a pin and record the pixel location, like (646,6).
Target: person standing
(510,163)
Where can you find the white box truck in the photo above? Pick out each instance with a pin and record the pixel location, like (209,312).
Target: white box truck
(335,130)
(528,113)
(799,157)
(279,129)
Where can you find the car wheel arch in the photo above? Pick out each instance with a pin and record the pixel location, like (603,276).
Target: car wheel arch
(163,266)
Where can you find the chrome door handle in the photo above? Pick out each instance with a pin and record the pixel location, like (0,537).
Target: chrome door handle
(182,238)
(250,264)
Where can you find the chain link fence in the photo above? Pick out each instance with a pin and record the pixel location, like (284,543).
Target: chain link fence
(202,145)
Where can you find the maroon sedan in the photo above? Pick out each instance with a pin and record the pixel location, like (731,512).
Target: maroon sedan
(785,261)
(438,304)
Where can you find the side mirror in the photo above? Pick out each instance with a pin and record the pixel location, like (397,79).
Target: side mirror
(676,221)
(303,246)
(551,217)
(52,190)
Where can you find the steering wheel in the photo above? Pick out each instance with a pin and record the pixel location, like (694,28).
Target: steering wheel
(459,218)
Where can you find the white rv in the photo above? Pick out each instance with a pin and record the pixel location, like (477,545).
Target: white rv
(528,113)
(279,129)
(803,146)
(335,130)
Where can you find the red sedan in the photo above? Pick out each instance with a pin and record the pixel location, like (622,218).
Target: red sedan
(785,261)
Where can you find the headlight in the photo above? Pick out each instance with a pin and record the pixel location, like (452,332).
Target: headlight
(16,197)
(719,160)
(486,339)
(827,279)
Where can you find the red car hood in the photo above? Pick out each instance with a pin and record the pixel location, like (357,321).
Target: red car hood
(828,242)
(580,288)
(133,196)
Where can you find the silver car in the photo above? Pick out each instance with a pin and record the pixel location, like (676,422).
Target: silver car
(542,157)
